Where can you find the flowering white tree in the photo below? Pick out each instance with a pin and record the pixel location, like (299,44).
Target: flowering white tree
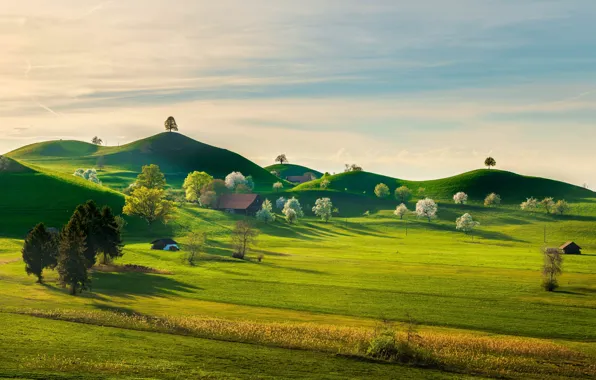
(291,215)
(460,198)
(280,203)
(492,200)
(234,179)
(548,204)
(323,208)
(530,204)
(88,174)
(293,204)
(265,214)
(382,190)
(426,208)
(401,210)
(466,223)
(562,207)
(277,186)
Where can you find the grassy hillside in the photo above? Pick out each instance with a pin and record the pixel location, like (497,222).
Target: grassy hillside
(512,187)
(176,154)
(286,170)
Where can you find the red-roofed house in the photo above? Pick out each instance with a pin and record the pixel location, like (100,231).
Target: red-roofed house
(247,204)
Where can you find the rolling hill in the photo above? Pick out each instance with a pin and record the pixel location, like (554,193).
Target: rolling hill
(513,188)
(286,170)
(176,154)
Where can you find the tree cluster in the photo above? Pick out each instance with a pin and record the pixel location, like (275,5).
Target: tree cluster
(90,232)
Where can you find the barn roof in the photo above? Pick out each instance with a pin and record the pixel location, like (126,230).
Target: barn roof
(236,201)
(569,243)
(164,241)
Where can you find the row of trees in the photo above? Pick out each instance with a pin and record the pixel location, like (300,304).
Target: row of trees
(548,204)
(89,233)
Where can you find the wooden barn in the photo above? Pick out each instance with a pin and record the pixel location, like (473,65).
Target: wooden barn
(247,204)
(570,248)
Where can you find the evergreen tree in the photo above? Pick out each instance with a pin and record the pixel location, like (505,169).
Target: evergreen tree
(39,251)
(110,241)
(72,264)
(90,220)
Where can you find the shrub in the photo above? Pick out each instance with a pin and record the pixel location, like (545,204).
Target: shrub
(492,200)
(280,202)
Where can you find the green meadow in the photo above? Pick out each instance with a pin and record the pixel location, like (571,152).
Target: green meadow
(310,307)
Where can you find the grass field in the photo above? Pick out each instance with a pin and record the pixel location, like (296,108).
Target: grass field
(310,307)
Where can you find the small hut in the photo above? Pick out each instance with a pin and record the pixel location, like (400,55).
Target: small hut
(570,248)
(165,245)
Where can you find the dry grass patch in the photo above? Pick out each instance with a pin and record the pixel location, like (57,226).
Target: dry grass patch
(128,268)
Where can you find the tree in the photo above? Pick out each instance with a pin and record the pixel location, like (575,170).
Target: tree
(552,268)
(96,140)
(275,173)
(72,267)
(218,186)
(323,208)
(291,215)
(234,179)
(242,188)
(492,200)
(382,190)
(325,184)
(265,214)
(280,203)
(149,204)
(530,204)
(277,186)
(293,204)
(466,223)
(151,177)
(460,198)
(282,159)
(401,210)
(101,162)
(250,183)
(562,207)
(110,240)
(490,162)
(88,174)
(244,236)
(40,251)
(426,208)
(87,216)
(208,199)
(170,124)
(548,204)
(194,184)
(352,168)
(403,194)
(194,247)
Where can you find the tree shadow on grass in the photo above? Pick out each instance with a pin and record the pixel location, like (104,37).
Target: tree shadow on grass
(127,285)
(57,288)
(292,269)
(491,235)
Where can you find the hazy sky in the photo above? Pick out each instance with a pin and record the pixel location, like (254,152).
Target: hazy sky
(413,89)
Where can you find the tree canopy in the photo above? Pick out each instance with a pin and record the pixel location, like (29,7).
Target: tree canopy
(170,124)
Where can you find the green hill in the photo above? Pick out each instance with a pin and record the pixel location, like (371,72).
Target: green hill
(30,196)
(512,187)
(286,170)
(176,154)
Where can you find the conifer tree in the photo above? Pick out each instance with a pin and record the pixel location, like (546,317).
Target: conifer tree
(39,251)
(91,226)
(72,264)
(110,241)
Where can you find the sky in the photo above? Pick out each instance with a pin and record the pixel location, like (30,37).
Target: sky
(412,89)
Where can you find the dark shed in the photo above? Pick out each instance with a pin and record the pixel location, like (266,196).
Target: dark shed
(570,248)
(160,244)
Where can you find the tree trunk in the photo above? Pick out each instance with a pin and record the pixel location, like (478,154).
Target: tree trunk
(73,288)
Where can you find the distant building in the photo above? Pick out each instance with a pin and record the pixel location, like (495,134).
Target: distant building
(570,248)
(299,178)
(165,245)
(247,204)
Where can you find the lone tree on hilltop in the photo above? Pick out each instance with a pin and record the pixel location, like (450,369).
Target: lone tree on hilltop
(490,162)
(282,159)
(40,251)
(96,140)
(170,124)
